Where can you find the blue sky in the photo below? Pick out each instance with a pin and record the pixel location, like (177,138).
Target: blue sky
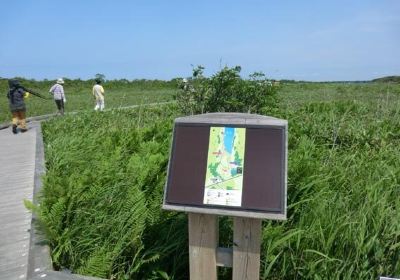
(301,40)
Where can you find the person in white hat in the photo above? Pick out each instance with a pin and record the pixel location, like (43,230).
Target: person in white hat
(57,90)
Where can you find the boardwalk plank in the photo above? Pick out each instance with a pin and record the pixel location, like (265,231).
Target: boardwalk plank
(17,164)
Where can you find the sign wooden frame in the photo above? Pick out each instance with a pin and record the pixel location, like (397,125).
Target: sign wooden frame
(233,120)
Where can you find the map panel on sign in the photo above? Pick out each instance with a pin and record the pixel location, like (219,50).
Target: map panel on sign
(225,162)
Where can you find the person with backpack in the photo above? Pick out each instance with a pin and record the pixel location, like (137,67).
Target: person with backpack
(57,90)
(16,95)
(98,93)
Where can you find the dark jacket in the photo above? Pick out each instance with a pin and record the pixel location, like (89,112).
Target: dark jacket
(15,96)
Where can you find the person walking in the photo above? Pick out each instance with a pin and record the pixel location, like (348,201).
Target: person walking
(98,93)
(57,90)
(16,95)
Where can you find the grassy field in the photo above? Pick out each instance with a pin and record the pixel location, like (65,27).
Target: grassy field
(105,175)
(295,94)
(79,96)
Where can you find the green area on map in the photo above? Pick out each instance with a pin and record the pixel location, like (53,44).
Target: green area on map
(225,158)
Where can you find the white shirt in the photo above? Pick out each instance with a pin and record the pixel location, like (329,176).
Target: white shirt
(98,92)
(58,92)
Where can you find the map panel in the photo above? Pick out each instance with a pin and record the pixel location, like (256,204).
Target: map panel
(225,161)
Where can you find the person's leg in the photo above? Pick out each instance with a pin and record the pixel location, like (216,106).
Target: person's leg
(58,103)
(97,105)
(101,104)
(14,122)
(22,121)
(62,107)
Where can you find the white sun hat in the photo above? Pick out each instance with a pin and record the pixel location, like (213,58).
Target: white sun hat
(60,81)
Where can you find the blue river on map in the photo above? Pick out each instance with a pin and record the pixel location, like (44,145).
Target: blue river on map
(228,138)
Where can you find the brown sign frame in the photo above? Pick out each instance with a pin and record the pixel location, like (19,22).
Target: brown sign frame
(236,120)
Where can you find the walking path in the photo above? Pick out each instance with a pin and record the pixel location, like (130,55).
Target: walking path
(23,254)
(17,170)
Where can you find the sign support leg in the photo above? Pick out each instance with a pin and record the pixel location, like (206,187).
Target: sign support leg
(203,243)
(246,248)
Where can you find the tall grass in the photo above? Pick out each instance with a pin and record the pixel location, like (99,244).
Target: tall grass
(343,194)
(79,95)
(103,191)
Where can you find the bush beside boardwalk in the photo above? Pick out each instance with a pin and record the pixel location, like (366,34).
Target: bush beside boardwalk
(106,172)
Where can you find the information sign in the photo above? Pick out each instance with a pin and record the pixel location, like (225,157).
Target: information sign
(228,164)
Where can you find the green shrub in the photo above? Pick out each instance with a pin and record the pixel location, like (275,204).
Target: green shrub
(226,91)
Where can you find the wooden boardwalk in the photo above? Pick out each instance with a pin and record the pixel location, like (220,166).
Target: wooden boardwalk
(17,169)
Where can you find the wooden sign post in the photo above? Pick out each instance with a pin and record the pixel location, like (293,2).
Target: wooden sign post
(227,164)
(246,248)
(203,243)
(205,255)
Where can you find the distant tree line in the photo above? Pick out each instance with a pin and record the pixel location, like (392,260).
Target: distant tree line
(392,79)
(144,84)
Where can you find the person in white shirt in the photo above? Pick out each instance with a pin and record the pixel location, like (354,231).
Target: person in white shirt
(57,91)
(98,93)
